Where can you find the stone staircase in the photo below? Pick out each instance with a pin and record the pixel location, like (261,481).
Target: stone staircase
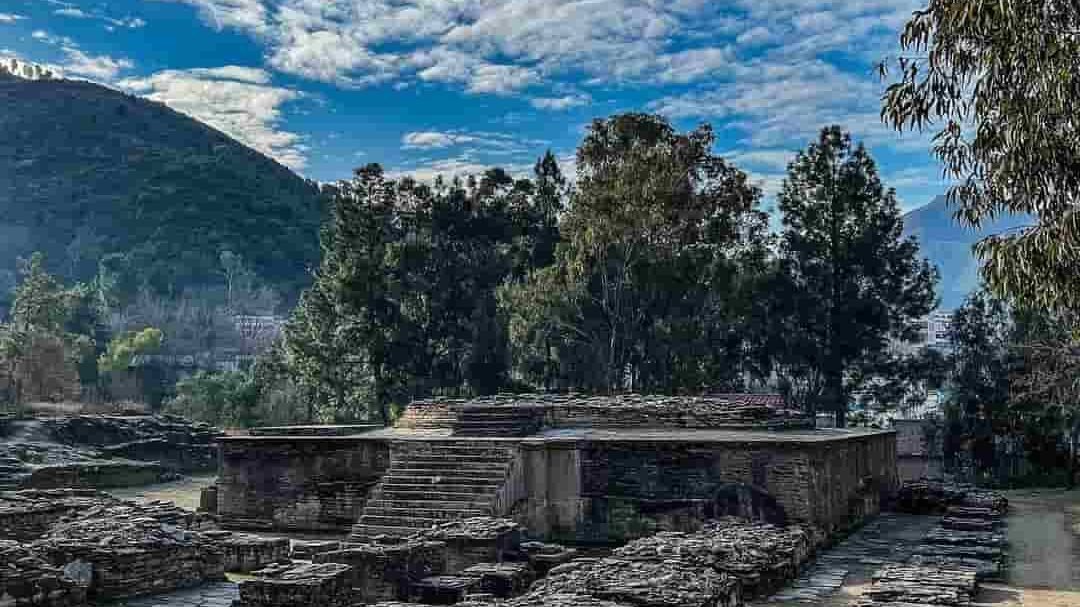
(432,482)
(495,420)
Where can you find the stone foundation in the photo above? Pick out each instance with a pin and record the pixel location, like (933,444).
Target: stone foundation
(307,483)
(618,487)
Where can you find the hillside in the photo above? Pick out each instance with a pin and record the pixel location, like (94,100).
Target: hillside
(87,171)
(948,245)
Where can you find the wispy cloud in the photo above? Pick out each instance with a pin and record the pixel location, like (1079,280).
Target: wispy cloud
(239,101)
(10,17)
(560,103)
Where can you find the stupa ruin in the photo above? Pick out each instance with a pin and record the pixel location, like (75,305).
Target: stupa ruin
(569,468)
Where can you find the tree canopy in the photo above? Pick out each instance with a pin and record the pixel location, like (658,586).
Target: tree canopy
(997,84)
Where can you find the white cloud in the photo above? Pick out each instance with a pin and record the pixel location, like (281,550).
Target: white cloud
(10,18)
(755,36)
(424,140)
(95,67)
(73,12)
(243,14)
(560,103)
(238,101)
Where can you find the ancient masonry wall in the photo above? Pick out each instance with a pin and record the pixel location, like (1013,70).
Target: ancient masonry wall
(297,483)
(605,491)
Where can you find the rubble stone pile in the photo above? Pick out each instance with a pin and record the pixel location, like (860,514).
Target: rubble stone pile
(322,584)
(763,557)
(670,582)
(127,556)
(28,514)
(178,444)
(28,579)
(937,497)
(896,585)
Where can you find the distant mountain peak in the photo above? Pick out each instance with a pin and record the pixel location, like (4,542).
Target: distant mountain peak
(948,245)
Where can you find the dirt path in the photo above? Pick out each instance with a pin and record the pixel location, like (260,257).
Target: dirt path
(184,492)
(1044,538)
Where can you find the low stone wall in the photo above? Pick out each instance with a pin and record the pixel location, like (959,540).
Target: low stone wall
(305,483)
(123,558)
(588,490)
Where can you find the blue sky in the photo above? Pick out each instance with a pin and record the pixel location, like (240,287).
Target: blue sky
(454,86)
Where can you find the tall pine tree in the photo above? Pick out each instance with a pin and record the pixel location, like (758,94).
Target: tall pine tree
(853,284)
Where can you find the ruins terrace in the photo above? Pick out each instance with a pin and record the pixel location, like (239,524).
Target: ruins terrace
(569,468)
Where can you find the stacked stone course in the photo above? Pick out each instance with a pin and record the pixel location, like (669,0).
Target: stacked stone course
(245,552)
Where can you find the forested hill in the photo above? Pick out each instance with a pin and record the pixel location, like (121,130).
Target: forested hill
(87,171)
(948,245)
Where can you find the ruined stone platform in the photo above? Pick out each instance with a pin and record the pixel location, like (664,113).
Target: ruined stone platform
(570,468)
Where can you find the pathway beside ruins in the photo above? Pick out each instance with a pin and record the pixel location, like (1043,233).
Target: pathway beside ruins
(1044,536)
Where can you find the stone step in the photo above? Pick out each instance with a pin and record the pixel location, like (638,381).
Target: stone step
(417,522)
(441,465)
(483,504)
(440,480)
(439,459)
(426,512)
(426,494)
(361,531)
(465,456)
(391,484)
(463,447)
(410,469)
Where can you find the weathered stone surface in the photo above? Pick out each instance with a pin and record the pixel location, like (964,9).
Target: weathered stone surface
(617,411)
(297,483)
(324,584)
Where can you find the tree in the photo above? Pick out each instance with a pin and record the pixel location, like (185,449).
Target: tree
(997,81)
(851,282)
(123,349)
(980,333)
(646,286)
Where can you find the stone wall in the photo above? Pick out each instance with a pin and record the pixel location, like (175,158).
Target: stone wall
(307,483)
(584,490)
